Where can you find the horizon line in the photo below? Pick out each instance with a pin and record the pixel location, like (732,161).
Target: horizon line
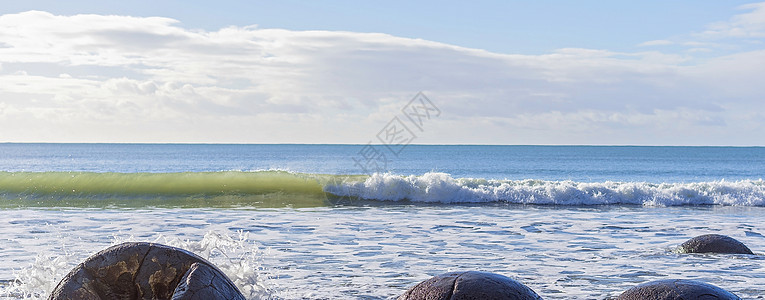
(381,144)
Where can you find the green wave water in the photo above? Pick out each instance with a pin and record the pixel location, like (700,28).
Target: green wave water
(184,189)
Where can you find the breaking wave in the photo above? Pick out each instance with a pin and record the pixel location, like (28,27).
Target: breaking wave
(282,188)
(442,188)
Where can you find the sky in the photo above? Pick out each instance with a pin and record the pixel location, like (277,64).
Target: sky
(496,72)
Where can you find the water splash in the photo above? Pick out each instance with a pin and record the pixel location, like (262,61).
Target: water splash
(34,282)
(238,257)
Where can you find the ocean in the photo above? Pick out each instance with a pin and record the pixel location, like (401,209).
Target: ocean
(368,221)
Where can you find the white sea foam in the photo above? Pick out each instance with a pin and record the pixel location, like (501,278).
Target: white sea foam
(443,188)
(378,251)
(239,258)
(34,282)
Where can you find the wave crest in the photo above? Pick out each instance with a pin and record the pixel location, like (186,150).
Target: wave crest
(442,188)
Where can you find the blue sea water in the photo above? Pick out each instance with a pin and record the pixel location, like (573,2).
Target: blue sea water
(578,163)
(315,222)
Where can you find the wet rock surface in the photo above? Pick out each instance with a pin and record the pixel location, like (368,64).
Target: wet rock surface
(469,285)
(203,282)
(145,271)
(714,243)
(677,289)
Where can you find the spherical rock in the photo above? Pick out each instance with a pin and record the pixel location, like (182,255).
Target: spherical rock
(677,289)
(145,271)
(714,243)
(469,285)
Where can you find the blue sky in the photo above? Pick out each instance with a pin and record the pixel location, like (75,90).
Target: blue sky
(502,72)
(525,27)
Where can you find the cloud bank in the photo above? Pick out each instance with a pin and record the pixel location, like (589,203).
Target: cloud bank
(97,78)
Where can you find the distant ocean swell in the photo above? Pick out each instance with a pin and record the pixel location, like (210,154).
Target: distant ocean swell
(280,188)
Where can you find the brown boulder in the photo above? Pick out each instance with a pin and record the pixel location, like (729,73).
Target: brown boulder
(677,289)
(714,243)
(469,285)
(143,271)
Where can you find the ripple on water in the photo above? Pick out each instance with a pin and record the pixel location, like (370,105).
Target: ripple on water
(377,252)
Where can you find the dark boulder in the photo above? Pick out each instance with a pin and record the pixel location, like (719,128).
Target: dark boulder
(469,285)
(677,289)
(145,271)
(714,243)
(204,282)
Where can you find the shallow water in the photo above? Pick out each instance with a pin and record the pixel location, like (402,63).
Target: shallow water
(377,251)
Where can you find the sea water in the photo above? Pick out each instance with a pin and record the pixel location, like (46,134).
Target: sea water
(310,222)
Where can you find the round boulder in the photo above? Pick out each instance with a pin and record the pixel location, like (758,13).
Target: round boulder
(675,289)
(714,243)
(145,271)
(469,285)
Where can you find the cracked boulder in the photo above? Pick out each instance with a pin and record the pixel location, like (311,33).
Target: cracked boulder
(145,271)
(672,289)
(714,243)
(469,285)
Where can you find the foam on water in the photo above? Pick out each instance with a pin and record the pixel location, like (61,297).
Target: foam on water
(442,188)
(34,281)
(377,252)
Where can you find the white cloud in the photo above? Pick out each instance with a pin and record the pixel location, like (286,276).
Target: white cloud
(739,32)
(116,78)
(656,43)
(746,25)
